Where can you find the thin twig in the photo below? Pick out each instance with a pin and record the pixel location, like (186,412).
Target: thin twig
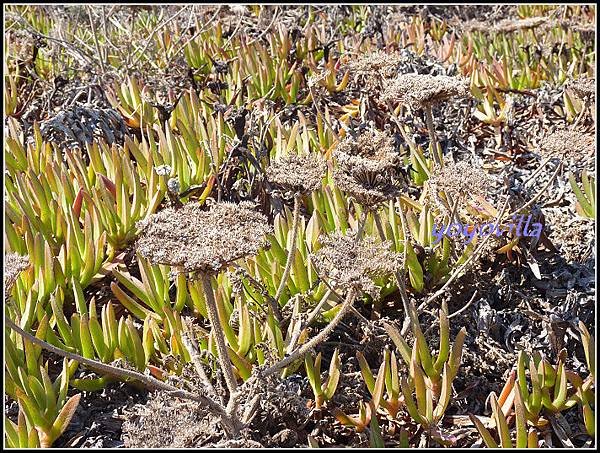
(538,195)
(399,278)
(311,317)
(149,381)
(432,138)
(257,286)
(264,32)
(316,340)
(533,177)
(96,42)
(362,220)
(158,27)
(190,343)
(468,304)
(80,53)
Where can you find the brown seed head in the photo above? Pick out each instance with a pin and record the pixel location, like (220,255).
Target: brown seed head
(366,186)
(422,90)
(372,145)
(194,240)
(295,173)
(371,68)
(568,143)
(460,179)
(347,264)
(14,264)
(367,168)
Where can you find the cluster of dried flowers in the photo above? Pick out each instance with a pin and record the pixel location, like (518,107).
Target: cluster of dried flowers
(368,70)
(459,180)
(583,87)
(366,187)
(14,264)
(376,146)
(350,264)
(423,90)
(568,143)
(367,168)
(192,239)
(297,174)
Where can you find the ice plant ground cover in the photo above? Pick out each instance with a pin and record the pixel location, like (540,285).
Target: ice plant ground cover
(299,226)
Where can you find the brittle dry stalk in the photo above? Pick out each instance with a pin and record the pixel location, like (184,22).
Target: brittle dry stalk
(432,137)
(213,315)
(316,340)
(471,258)
(204,243)
(298,175)
(149,381)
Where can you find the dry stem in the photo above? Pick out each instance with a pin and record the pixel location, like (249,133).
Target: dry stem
(316,340)
(213,315)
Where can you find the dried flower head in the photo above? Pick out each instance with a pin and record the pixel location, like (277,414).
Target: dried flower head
(366,186)
(583,87)
(422,90)
(370,69)
(372,145)
(460,179)
(568,143)
(383,63)
(367,168)
(14,264)
(297,173)
(350,264)
(194,240)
